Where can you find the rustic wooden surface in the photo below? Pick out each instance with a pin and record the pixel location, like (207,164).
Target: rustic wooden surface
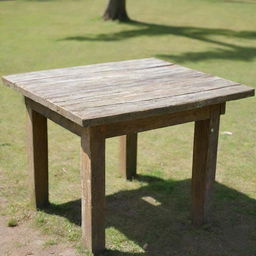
(38,158)
(93,189)
(155,122)
(55,117)
(204,165)
(120,91)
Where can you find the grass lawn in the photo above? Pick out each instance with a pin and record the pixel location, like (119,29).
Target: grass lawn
(149,216)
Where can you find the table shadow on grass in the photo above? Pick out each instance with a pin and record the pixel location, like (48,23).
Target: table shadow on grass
(206,35)
(157,218)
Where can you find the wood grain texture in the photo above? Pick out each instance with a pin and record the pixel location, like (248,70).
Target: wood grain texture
(204,165)
(160,121)
(128,155)
(55,117)
(120,91)
(93,189)
(101,67)
(38,158)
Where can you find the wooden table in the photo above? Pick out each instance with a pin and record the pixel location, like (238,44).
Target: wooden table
(121,99)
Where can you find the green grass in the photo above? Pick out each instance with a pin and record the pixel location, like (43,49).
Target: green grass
(214,36)
(49,243)
(12,222)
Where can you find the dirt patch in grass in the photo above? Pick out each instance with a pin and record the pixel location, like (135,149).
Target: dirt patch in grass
(23,240)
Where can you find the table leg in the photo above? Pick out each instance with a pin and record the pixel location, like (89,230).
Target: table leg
(128,155)
(204,165)
(38,157)
(93,189)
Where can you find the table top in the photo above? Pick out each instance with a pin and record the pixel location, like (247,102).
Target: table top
(110,92)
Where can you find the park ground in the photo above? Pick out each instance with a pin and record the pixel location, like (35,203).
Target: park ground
(150,215)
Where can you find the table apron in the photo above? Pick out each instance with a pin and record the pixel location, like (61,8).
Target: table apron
(53,116)
(131,126)
(160,121)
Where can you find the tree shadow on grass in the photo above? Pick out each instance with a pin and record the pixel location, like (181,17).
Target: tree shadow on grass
(150,29)
(156,218)
(235,53)
(237,1)
(229,50)
(207,35)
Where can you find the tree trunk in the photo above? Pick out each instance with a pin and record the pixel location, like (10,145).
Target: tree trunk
(116,10)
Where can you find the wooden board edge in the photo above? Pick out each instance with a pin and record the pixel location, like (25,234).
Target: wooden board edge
(58,110)
(53,116)
(167,110)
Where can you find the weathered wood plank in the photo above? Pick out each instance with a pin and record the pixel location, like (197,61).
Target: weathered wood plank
(128,155)
(95,68)
(124,83)
(38,157)
(36,98)
(93,189)
(141,94)
(108,114)
(99,77)
(107,93)
(148,86)
(204,165)
(155,122)
(85,87)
